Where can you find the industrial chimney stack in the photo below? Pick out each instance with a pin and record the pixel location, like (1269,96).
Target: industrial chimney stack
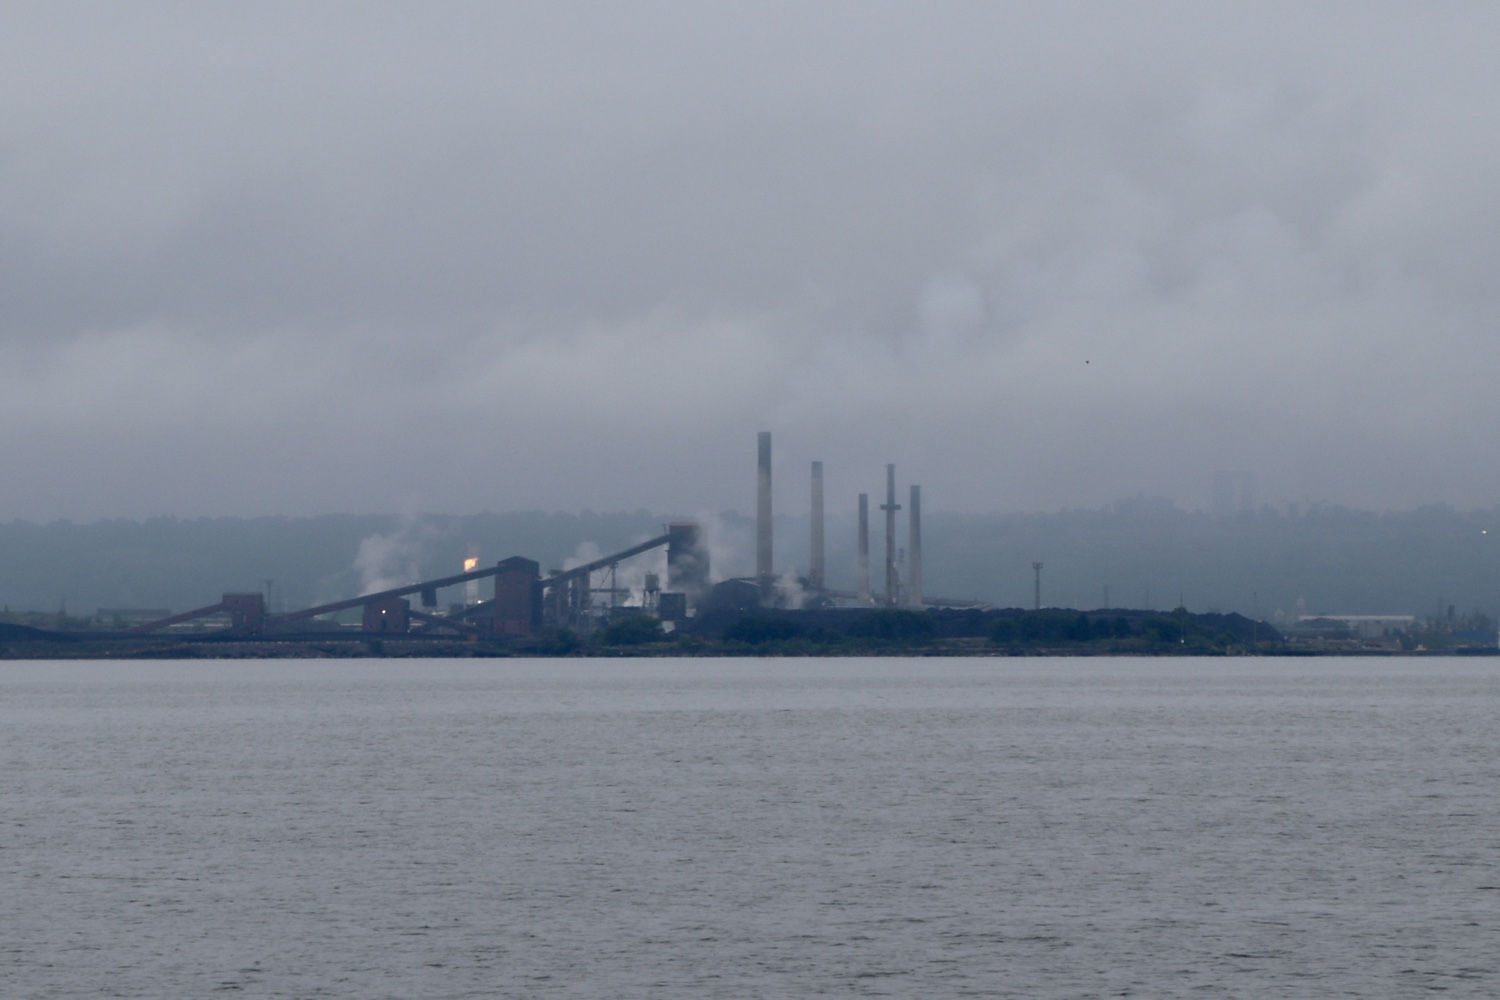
(890,507)
(763,573)
(863,566)
(815,557)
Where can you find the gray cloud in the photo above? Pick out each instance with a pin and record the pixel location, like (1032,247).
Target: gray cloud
(285,258)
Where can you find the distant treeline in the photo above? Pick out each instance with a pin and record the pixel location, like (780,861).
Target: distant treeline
(1141,553)
(1012,629)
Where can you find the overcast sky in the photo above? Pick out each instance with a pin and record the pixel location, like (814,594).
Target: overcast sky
(300,258)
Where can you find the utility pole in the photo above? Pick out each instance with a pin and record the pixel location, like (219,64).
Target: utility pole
(1038,568)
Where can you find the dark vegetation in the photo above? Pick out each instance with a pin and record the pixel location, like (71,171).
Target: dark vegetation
(636,631)
(25,633)
(1135,632)
(896,630)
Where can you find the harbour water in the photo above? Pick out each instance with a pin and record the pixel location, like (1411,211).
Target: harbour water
(750,828)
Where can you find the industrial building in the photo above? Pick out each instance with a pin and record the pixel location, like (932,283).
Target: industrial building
(525,600)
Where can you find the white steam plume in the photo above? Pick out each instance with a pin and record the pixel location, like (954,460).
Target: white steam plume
(387,561)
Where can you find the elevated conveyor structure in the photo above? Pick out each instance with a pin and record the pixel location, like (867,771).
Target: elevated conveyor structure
(517,608)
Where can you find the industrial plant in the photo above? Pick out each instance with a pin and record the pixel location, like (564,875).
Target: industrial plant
(587,597)
(663,593)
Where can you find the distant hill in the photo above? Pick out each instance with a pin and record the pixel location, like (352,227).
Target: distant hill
(1146,553)
(187,563)
(25,633)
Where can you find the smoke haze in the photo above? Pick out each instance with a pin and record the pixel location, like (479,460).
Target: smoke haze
(296,259)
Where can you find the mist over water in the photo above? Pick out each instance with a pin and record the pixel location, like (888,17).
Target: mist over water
(707,828)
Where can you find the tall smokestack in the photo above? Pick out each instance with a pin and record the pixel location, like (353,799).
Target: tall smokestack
(763,520)
(914,549)
(863,567)
(815,557)
(890,507)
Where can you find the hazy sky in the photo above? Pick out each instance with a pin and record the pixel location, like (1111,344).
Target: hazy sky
(297,258)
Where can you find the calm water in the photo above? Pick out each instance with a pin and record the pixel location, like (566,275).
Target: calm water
(750,828)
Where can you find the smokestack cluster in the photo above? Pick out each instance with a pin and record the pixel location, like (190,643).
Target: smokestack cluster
(895,594)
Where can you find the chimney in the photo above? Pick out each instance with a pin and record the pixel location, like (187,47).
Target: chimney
(815,557)
(890,507)
(763,575)
(914,549)
(863,569)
